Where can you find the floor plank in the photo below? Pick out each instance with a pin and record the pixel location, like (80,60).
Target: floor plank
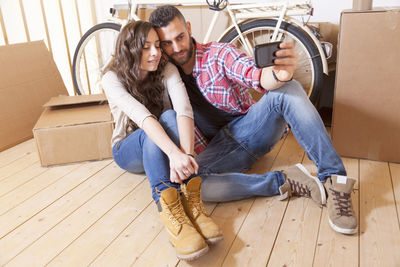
(90,244)
(16,152)
(18,165)
(130,244)
(379,227)
(335,249)
(298,233)
(24,211)
(24,224)
(265,216)
(11,182)
(395,174)
(29,189)
(254,242)
(64,233)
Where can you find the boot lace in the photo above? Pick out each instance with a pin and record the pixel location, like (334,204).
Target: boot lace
(194,200)
(343,203)
(299,189)
(177,214)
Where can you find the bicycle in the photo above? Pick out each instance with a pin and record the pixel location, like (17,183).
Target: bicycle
(251,24)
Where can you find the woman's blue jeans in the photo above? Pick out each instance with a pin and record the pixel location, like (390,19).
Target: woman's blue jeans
(245,139)
(137,153)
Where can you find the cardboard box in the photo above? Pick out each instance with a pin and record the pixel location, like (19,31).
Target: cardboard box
(366,113)
(29,77)
(73,129)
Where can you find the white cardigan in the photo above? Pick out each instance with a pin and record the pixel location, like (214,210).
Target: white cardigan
(123,105)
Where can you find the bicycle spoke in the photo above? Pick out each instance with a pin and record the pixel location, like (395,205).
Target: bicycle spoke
(96,52)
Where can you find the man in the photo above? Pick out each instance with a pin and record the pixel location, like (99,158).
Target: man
(233,131)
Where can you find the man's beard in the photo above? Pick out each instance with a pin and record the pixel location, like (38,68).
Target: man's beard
(185,60)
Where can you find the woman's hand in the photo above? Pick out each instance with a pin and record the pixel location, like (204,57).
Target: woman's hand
(181,166)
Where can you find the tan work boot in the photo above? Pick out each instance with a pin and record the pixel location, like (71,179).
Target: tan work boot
(299,182)
(194,208)
(340,209)
(188,243)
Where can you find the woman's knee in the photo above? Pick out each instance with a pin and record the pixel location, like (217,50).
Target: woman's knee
(292,92)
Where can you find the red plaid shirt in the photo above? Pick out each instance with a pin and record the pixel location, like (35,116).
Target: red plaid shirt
(223,75)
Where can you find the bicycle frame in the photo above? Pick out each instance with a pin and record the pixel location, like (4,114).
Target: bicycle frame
(240,13)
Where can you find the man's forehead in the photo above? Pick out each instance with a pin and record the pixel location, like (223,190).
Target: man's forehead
(172,30)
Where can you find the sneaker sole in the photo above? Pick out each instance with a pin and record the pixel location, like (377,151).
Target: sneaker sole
(342,230)
(193,256)
(320,185)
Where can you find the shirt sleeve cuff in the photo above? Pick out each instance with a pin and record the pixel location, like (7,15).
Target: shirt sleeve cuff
(140,122)
(256,81)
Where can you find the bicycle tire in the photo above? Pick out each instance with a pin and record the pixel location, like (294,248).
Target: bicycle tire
(87,78)
(309,72)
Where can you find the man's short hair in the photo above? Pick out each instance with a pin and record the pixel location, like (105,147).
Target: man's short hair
(163,15)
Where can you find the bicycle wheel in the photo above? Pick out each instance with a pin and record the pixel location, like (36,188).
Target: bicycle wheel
(309,72)
(92,53)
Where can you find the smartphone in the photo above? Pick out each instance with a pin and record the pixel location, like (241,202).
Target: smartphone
(264,54)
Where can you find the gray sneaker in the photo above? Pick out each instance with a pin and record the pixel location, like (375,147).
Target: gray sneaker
(299,182)
(340,208)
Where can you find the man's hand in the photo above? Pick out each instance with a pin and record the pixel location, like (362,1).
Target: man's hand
(285,67)
(181,166)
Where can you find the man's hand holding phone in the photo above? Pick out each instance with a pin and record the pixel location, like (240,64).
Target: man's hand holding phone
(281,56)
(287,62)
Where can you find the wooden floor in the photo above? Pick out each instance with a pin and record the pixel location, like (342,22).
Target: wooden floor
(97,214)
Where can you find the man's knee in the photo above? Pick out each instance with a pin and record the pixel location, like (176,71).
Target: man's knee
(292,87)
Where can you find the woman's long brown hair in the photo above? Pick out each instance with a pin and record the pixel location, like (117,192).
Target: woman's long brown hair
(126,64)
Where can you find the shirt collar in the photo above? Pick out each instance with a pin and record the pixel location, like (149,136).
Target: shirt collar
(200,49)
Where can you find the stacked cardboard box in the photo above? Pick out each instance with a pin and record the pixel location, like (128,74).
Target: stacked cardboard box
(366,113)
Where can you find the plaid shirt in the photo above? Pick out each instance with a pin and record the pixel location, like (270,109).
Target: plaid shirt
(223,75)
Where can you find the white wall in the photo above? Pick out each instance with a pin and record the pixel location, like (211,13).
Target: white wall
(329,10)
(324,10)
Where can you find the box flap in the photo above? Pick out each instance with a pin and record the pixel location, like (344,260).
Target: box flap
(74,115)
(75,100)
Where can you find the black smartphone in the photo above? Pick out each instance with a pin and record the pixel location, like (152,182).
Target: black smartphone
(264,54)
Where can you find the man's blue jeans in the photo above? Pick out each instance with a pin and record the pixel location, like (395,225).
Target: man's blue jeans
(246,138)
(137,153)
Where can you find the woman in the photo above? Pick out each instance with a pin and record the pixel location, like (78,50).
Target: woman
(150,137)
